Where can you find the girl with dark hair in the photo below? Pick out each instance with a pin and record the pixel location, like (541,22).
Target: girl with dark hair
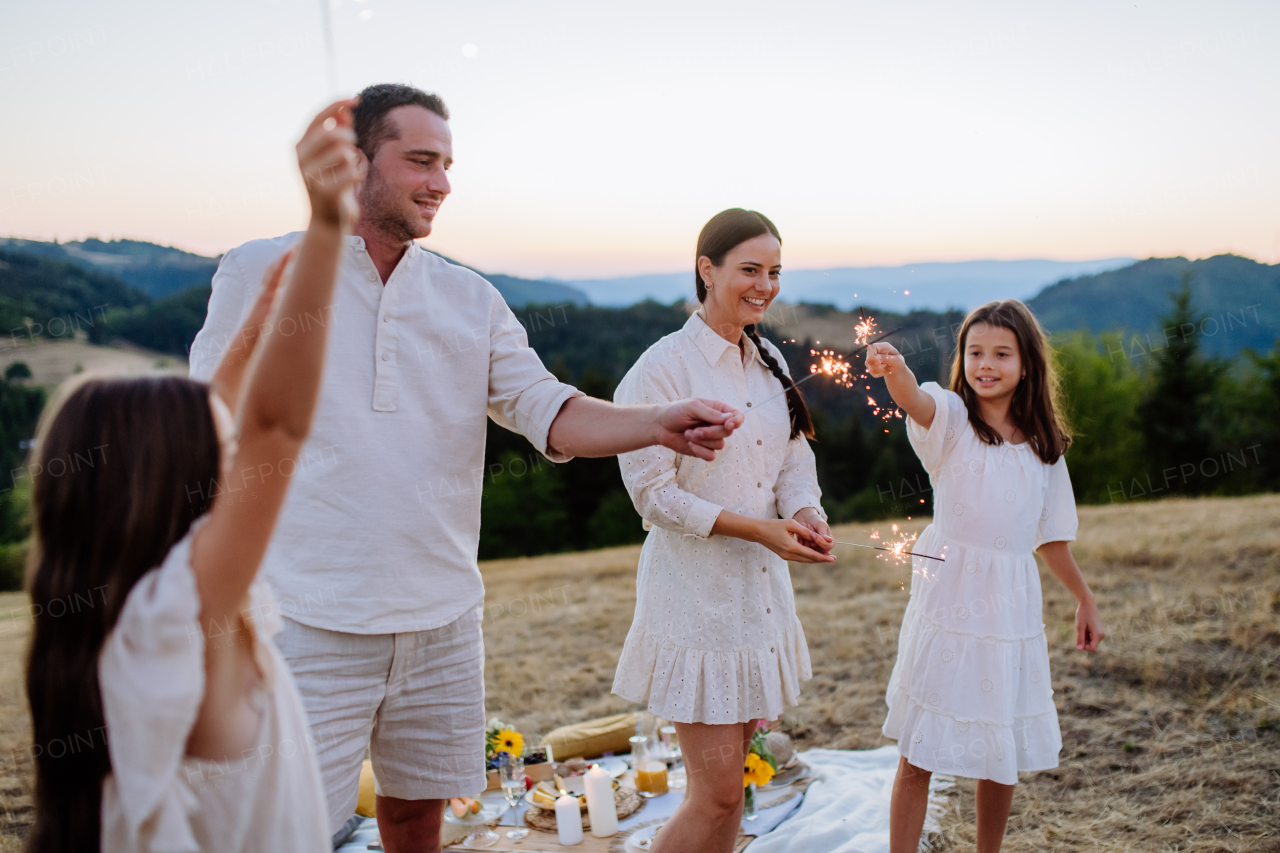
(163,716)
(716,645)
(969,694)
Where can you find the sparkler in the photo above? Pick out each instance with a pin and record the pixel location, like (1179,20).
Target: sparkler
(898,550)
(331,60)
(832,364)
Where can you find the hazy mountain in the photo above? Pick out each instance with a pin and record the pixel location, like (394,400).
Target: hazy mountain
(929,286)
(1238,298)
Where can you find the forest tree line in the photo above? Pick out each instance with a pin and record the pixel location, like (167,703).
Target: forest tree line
(1152,419)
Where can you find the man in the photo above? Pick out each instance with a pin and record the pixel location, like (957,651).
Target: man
(374,557)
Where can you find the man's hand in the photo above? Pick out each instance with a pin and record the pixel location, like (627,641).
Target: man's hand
(697,427)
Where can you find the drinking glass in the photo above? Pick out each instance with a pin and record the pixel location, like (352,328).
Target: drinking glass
(511,774)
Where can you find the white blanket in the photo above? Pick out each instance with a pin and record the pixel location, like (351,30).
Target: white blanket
(846,809)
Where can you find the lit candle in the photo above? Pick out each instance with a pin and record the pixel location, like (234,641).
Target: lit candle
(600,805)
(569,820)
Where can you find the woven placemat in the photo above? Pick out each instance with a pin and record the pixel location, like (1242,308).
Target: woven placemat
(628,802)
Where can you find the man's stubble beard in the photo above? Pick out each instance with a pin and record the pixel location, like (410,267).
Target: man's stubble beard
(380,211)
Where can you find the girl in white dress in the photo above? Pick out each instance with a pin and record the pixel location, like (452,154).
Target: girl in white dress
(970,693)
(163,716)
(716,645)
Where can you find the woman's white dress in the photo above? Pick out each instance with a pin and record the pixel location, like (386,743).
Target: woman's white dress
(970,693)
(715,638)
(151,677)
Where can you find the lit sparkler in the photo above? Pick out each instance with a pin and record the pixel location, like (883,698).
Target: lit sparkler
(865,329)
(832,364)
(897,550)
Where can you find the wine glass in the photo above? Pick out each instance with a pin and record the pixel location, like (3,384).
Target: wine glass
(511,774)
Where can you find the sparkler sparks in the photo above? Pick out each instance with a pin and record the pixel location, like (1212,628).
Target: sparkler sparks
(897,549)
(865,329)
(832,364)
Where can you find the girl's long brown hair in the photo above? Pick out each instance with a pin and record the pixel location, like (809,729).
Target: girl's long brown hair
(121,469)
(727,229)
(1036,408)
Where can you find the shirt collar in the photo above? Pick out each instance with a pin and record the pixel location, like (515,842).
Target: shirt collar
(357,242)
(712,346)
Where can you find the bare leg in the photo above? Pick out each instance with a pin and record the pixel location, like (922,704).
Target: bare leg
(993,801)
(410,826)
(708,819)
(908,807)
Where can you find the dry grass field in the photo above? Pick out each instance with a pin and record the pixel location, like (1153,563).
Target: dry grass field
(52,361)
(1169,736)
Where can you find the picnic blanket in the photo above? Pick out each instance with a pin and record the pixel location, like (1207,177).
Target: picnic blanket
(846,808)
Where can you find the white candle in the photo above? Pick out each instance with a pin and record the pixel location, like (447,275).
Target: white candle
(569,820)
(600,805)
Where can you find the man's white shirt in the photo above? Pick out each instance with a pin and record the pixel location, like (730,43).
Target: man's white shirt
(381,526)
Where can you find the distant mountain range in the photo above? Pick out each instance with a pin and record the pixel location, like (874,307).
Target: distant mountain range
(928,286)
(155,296)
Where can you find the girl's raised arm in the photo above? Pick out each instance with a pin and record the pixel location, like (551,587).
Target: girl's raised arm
(884,360)
(283,377)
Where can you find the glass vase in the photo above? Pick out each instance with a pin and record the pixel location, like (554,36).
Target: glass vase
(749,802)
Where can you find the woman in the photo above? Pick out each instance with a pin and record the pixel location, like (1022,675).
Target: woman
(716,645)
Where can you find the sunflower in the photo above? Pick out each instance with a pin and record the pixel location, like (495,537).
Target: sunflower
(509,741)
(756,770)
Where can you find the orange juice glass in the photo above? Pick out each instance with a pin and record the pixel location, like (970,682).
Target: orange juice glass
(651,778)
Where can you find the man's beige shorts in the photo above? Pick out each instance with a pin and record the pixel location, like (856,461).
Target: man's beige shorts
(416,700)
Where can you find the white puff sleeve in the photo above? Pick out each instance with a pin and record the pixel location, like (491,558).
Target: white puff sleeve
(151,677)
(650,473)
(1058,520)
(950,418)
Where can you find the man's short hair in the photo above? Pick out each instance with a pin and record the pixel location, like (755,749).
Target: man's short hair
(372,126)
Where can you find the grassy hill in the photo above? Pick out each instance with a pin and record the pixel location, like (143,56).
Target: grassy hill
(155,270)
(41,296)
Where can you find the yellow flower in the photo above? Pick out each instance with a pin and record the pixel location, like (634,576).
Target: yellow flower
(756,770)
(510,741)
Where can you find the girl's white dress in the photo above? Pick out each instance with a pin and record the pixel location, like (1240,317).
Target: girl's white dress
(151,677)
(970,693)
(715,638)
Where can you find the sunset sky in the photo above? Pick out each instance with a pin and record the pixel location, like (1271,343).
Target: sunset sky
(595,138)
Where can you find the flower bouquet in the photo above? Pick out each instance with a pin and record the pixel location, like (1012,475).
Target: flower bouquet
(500,738)
(757,770)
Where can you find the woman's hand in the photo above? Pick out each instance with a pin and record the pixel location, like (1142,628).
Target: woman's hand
(229,377)
(1089,630)
(331,165)
(821,539)
(786,537)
